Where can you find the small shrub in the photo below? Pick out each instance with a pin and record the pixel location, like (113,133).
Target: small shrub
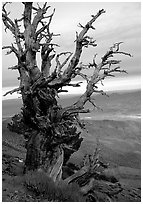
(41,185)
(69,193)
(38,182)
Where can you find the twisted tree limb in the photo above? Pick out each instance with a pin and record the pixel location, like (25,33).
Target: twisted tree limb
(99,76)
(52,130)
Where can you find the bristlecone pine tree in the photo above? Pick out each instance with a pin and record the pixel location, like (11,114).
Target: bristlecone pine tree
(50,130)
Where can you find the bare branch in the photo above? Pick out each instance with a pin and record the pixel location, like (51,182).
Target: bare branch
(89,24)
(79,45)
(39,16)
(84,76)
(75,111)
(19,20)
(69,73)
(123,53)
(46,58)
(81,26)
(12,49)
(5,15)
(62,91)
(101,92)
(59,66)
(12,91)
(50,18)
(3,7)
(93,104)
(14,67)
(78,174)
(74,85)
(13,27)
(8,23)
(18,35)
(96,77)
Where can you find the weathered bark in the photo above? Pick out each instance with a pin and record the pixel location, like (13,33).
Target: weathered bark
(50,130)
(45,130)
(42,157)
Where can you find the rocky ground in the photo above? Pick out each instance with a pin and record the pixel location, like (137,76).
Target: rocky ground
(120,182)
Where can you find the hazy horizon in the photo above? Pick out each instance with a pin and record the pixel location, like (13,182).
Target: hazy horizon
(114,85)
(119,105)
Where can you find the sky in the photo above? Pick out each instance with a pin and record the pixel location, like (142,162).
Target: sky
(121,22)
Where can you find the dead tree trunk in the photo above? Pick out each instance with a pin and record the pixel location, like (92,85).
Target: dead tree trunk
(50,130)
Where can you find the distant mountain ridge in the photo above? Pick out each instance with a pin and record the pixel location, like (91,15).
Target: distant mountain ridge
(117,103)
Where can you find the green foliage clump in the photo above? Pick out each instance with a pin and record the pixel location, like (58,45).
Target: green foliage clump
(42,185)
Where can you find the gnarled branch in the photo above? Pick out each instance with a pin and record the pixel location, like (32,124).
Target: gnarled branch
(80,38)
(98,76)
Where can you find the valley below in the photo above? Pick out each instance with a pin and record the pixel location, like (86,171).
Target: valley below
(115,130)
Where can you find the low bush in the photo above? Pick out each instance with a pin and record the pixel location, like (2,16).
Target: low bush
(41,185)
